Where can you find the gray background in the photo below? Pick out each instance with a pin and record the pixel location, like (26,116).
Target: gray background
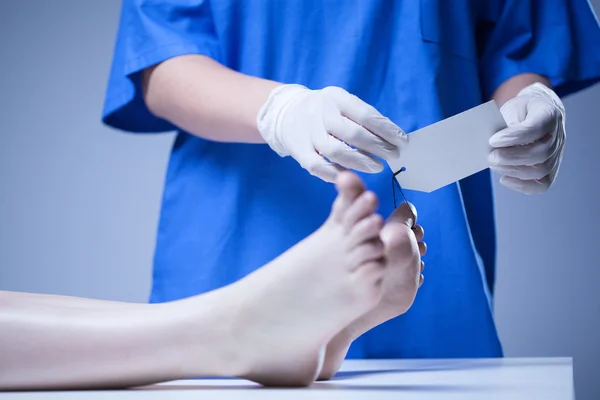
(79,202)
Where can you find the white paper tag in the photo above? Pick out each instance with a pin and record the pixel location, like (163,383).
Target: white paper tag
(449,150)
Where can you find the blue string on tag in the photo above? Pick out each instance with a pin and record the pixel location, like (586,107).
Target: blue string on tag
(396,184)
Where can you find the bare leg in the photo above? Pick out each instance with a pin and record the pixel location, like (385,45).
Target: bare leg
(403,248)
(69,344)
(33,299)
(271,327)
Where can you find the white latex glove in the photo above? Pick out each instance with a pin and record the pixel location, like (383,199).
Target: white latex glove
(311,125)
(529,151)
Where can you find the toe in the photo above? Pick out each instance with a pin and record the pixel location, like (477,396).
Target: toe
(401,247)
(422,248)
(366,229)
(419,232)
(406,213)
(349,187)
(362,207)
(373,250)
(396,233)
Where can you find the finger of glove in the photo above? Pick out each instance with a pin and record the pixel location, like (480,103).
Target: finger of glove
(533,186)
(366,115)
(541,120)
(514,111)
(527,172)
(340,153)
(357,136)
(530,154)
(319,167)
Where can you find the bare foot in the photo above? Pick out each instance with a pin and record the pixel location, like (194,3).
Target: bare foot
(286,312)
(403,249)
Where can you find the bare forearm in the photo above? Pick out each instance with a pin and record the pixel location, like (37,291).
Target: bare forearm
(204,98)
(511,87)
(53,342)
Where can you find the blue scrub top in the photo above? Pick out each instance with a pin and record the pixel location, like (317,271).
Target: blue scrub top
(229,208)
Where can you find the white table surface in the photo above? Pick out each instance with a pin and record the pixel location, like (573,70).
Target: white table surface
(489,379)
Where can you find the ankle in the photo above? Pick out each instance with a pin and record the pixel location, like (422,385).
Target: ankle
(205,337)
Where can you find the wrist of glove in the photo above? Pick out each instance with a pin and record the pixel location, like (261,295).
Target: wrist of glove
(327,130)
(529,151)
(270,116)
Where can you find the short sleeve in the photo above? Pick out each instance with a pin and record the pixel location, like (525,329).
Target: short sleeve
(152,31)
(558,39)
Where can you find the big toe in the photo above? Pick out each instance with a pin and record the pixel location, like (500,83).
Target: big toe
(405,214)
(349,187)
(397,231)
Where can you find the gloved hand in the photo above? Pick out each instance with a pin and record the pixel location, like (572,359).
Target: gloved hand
(529,151)
(311,125)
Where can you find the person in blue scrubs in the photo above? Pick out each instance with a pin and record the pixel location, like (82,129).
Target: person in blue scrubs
(250,170)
